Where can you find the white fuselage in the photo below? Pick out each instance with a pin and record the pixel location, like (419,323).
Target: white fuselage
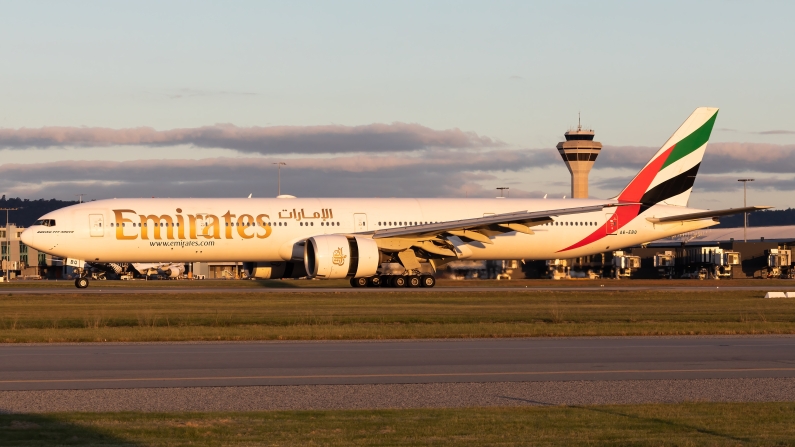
(185,230)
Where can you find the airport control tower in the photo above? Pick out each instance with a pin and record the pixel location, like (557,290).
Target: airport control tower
(579,151)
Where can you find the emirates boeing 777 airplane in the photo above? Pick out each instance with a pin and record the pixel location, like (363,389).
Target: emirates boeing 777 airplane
(369,240)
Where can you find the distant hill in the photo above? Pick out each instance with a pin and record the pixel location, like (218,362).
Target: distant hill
(29,210)
(767,218)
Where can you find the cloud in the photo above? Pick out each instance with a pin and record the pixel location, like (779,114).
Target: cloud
(719,158)
(761,132)
(442,173)
(748,157)
(723,183)
(426,172)
(438,160)
(776,132)
(263,140)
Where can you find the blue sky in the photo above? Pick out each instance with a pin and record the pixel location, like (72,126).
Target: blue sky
(514,72)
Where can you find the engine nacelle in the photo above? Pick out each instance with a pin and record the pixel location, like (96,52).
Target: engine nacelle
(174,271)
(334,256)
(275,270)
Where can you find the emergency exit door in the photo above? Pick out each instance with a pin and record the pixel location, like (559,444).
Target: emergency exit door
(360,222)
(95,223)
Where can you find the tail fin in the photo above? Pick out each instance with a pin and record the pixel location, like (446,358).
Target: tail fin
(668,177)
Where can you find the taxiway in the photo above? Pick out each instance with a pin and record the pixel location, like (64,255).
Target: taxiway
(146,365)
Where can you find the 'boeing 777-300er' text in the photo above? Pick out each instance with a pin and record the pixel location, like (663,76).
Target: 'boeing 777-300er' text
(367,240)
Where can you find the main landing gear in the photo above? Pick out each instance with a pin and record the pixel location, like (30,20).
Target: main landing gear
(395,281)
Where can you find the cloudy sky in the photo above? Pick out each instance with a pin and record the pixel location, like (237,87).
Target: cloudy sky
(403,99)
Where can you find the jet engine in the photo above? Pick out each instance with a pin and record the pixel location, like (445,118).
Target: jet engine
(173,271)
(334,256)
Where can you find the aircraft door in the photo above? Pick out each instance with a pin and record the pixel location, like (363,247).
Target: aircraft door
(612,223)
(95,223)
(360,222)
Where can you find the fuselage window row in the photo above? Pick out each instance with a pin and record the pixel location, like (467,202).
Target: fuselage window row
(233,224)
(400,224)
(566,224)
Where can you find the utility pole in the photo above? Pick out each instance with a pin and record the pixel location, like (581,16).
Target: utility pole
(745,215)
(502,190)
(8,240)
(280,164)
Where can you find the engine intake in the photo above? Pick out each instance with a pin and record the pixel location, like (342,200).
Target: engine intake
(334,256)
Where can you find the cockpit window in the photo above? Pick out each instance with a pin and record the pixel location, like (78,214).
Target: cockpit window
(45,222)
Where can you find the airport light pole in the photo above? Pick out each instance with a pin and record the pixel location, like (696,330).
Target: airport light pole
(8,240)
(503,189)
(80,196)
(745,215)
(280,164)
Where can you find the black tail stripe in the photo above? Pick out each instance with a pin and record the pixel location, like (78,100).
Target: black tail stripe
(671,187)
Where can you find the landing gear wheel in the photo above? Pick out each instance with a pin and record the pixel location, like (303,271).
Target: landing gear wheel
(375,281)
(358,282)
(427,281)
(81,283)
(386,281)
(398,281)
(414,281)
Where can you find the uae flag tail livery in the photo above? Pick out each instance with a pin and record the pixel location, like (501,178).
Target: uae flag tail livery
(668,177)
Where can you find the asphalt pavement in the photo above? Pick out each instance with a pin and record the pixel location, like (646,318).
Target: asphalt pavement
(147,365)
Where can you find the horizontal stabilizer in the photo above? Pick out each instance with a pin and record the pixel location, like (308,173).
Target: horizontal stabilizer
(706,214)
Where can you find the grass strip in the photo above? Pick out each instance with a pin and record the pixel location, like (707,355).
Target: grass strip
(689,424)
(387,315)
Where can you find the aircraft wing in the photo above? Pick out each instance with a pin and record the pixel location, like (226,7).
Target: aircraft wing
(705,214)
(477,228)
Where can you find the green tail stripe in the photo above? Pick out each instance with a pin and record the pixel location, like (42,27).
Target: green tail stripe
(691,142)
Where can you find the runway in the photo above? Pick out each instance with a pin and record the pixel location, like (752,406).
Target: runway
(147,365)
(98,289)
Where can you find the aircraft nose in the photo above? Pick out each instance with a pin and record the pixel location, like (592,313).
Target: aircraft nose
(27,237)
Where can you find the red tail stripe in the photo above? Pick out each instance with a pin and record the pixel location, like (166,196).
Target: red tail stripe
(632,193)
(625,214)
(638,186)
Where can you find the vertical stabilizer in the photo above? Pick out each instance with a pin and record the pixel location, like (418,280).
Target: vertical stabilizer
(668,177)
